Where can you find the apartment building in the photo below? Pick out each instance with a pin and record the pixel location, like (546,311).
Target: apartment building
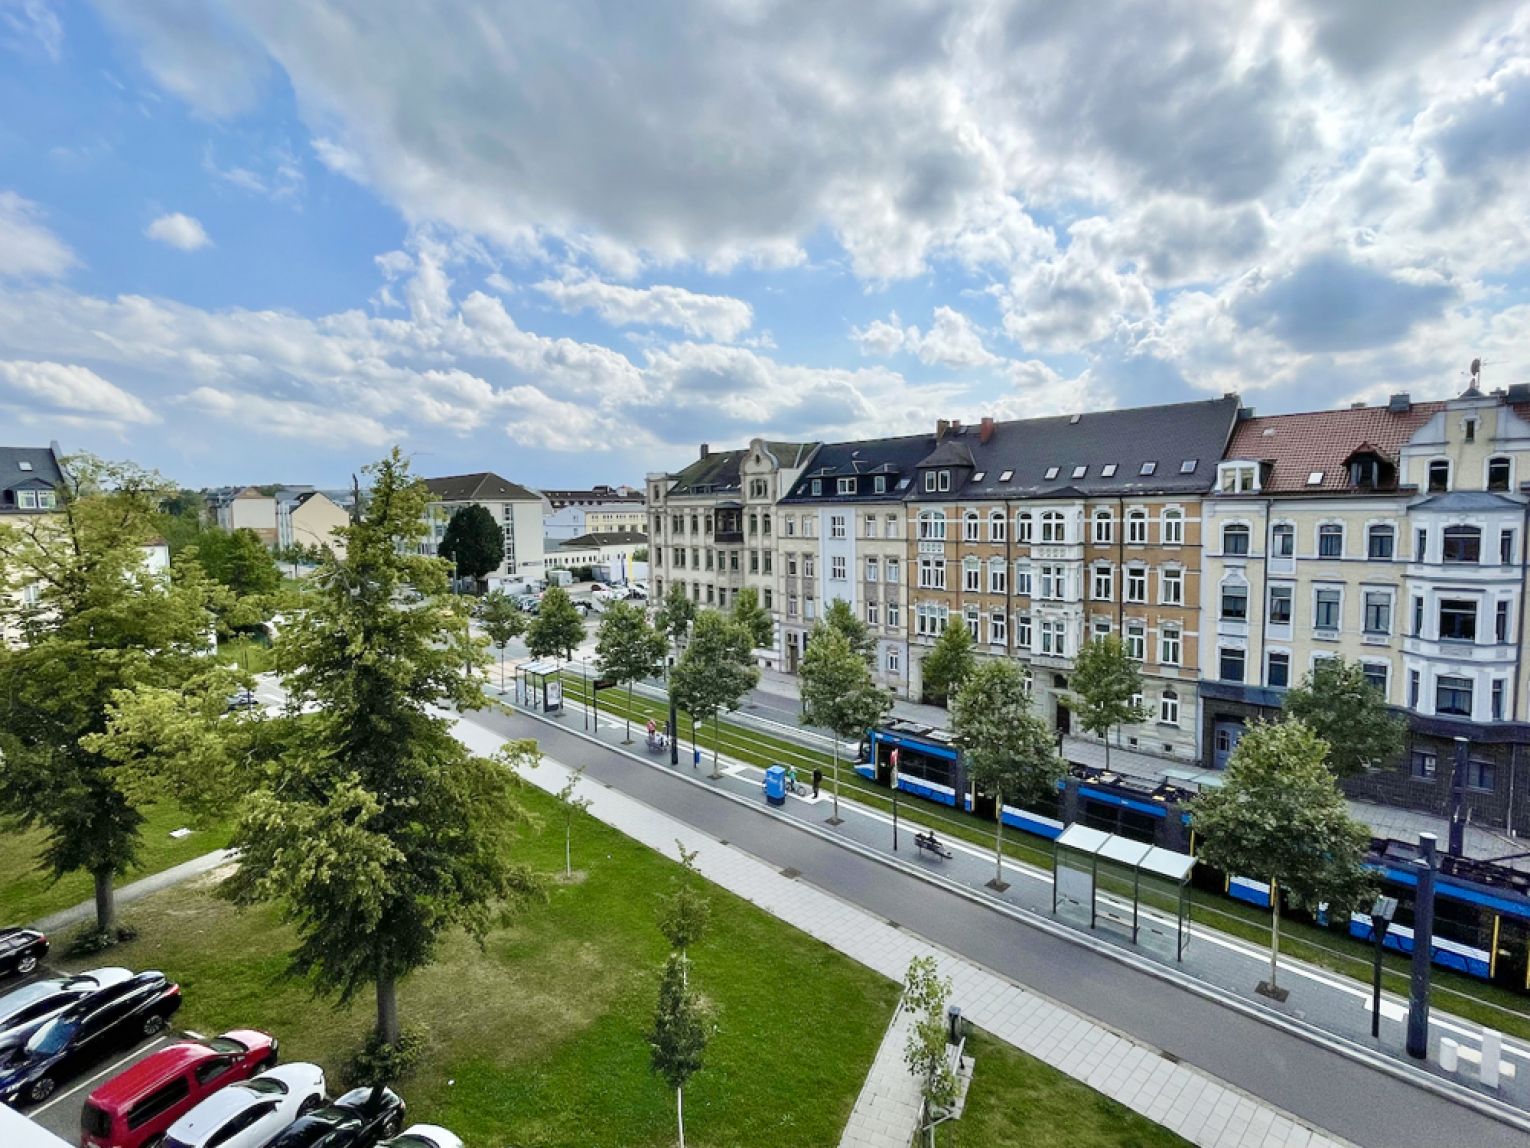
(1393,536)
(842,534)
(517,510)
(30,479)
(600,510)
(246,509)
(1038,534)
(711,525)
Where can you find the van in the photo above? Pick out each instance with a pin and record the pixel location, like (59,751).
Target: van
(136,1107)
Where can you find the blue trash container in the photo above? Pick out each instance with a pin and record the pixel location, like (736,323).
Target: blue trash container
(775,785)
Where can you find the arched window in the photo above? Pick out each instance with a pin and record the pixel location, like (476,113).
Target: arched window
(970,526)
(932,525)
(1439,476)
(996,526)
(1168,707)
(998,576)
(1498,474)
(1053,527)
(1235,539)
(1463,544)
(1173,526)
(1104,528)
(972,575)
(1380,542)
(1136,527)
(1022,527)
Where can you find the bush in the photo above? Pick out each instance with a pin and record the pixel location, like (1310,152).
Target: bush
(97,940)
(379,1063)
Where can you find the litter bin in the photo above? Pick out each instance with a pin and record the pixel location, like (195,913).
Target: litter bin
(775,785)
(954,1022)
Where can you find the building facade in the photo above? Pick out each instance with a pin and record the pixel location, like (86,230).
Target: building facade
(517,510)
(599,510)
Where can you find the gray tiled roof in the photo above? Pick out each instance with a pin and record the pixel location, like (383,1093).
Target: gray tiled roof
(484,486)
(1026,449)
(719,471)
(26,468)
(893,457)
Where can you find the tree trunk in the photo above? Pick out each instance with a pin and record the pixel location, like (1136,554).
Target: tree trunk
(998,840)
(106,900)
(834,743)
(716,740)
(568,847)
(628,740)
(502,671)
(680,1112)
(1274,933)
(387,1008)
(1107,749)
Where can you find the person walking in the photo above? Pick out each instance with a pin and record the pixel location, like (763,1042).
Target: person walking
(817,779)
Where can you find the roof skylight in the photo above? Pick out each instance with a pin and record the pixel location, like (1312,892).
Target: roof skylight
(1315,478)
(979,476)
(1006,476)
(1148,468)
(1080,471)
(1187,467)
(1051,473)
(1108,470)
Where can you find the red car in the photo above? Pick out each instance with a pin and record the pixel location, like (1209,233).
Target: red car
(135,1107)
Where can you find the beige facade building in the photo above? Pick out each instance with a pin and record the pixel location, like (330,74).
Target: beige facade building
(313,520)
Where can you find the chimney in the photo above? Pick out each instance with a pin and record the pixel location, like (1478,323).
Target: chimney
(1357,406)
(705,450)
(986,431)
(1400,403)
(941,427)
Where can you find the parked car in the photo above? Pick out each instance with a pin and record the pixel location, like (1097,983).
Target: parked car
(20,950)
(25,1010)
(359,1119)
(250,1113)
(423,1136)
(136,1107)
(86,1031)
(243,700)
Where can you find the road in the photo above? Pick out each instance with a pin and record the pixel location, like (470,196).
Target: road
(1317,1084)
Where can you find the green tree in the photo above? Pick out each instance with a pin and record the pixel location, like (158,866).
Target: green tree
(557,627)
(678,1038)
(1349,713)
(571,805)
(948,665)
(180,520)
(714,673)
(754,618)
(473,542)
(239,560)
(503,621)
(1009,751)
(1279,816)
(839,616)
(925,993)
(674,616)
(93,622)
(838,693)
(685,912)
(375,829)
(1105,682)
(628,649)
(640,554)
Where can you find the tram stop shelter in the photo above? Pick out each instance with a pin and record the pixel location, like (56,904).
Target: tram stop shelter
(1115,882)
(538,685)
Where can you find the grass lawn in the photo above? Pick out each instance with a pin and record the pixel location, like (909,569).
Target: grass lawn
(1016,1101)
(246,654)
(27,892)
(539,1039)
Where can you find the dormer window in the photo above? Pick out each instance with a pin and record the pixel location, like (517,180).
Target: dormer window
(879,484)
(1498,474)
(929,482)
(846,486)
(26,499)
(1051,473)
(944,482)
(1238,478)
(817,486)
(1469,429)
(1439,476)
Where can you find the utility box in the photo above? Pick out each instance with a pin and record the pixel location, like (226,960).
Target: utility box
(775,785)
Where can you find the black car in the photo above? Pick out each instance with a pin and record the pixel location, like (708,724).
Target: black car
(359,1119)
(25,1010)
(20,950)
(84,1033)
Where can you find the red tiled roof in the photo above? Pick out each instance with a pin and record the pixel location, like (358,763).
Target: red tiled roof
(1299,444)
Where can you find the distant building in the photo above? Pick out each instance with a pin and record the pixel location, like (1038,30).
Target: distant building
(311,519)
(246,509)
(599,510)
(608,554)
(517,509)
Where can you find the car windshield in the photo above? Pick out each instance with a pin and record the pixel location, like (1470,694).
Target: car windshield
(226,1044)
(267,1086)
(13,1003)
(53,1037)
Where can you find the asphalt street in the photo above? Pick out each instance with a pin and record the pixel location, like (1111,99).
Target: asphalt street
(1321,1086)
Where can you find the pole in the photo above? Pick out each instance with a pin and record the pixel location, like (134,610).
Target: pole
(895,810)
(1423,944)
(674,717)
(1457,786)
(1379,931)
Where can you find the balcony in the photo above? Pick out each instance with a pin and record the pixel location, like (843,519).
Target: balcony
(729,535)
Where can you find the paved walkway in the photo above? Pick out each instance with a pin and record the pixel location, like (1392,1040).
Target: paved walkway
(1195,1105)
(886,1113)
(153,883)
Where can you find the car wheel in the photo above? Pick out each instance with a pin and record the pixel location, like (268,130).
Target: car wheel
(392,1125)
(153,1025)
(41,1089)
(26,964)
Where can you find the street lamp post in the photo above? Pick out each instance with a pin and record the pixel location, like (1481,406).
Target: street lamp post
(1381,920)
(1423,945)
(893,758)
(674,716)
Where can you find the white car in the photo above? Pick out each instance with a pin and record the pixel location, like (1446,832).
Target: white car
(423,1136)
(250,1113)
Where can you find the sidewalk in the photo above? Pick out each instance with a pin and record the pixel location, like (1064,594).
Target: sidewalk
(886,1113)
(127,894)
(1319,999)
(1183,1099)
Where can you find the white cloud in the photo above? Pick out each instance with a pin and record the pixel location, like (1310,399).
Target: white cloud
(701,316)
(952,341)
(31,22)
(291,419)
(27,248)
(68,390)
(178,230)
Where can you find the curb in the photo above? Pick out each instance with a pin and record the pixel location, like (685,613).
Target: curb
(1459,1094)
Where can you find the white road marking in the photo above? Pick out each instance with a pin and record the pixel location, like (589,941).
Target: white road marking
(137,1052)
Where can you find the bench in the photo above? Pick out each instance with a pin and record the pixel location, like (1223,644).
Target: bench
(928,843)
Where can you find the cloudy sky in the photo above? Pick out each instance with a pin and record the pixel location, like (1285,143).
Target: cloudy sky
(569,241)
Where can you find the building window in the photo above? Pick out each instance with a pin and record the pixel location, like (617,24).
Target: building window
(1284,545)
(1280,605)
(892,657)
(929,482)
(1230,664)
(871,526)
(1497,699)
(1501,621)
(871,613)
(894,613)
(1458,620)
(817,486)
(972,575)
(1053,527)
(871,569)
(1235,539)
(1054,584)
(998,628)
(1376,674)
(1378,542)
(1424,765)
(970,526)
(892,526)
(1102,584)
(1104,528)
(1234,602)
(1022,631)
(754,562)
(791,565)
(1171,587)
(932,526)
(1481,774)
(1022,527)
(894,571)
(1330,541)
(1136,641)
(1378,612)
(1023,579)
(1413,689)
(1102,627)
(808,566)
(770,598)
(1136,583)
(1498,474)
(791,526)
(837,570)
(970,617)
(765,523)
(1278,669)
(1136,527)
(1506,547)
(844,486)
(1172,526)
(1168,707)
(836,526)
(1462,544)
(997,531)
(1439,476)
(879,485)
(1239,478)
(998,576)
(1325,615)
(932,573)
(1168,646)
(1453,696)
